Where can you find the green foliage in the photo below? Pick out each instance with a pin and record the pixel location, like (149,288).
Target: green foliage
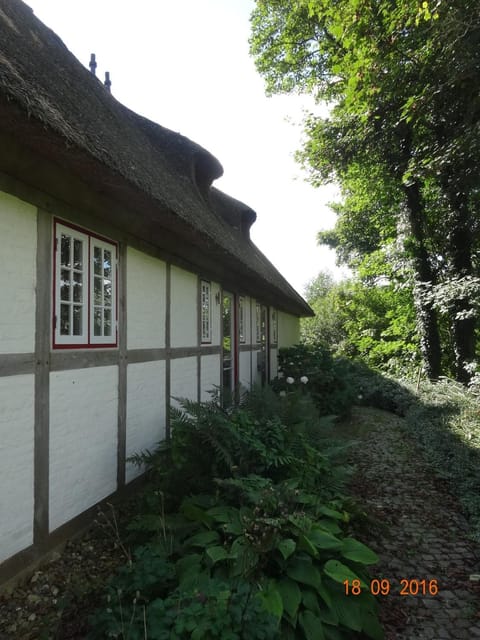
(214,609)
(273,546)
(402,141)
(311,368)
(262,552)
(377,390)
(380,327)
(374,318)
(264,434)
(327,324)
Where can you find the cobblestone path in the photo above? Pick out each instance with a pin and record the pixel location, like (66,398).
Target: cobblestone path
(418,532)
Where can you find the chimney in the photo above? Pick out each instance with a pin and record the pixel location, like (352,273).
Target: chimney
(93,64)
(108,82)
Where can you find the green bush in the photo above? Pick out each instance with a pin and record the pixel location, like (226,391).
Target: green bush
(269,530)
(212,609)
(265,434)
(275,542)
(310,368)
(373,389)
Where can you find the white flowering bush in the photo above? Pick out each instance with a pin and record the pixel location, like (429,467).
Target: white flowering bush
(311,369)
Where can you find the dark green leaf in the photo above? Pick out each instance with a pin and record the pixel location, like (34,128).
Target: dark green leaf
(286,547)
(302,570)
(311,625)
(291,595)
(339,572)
(354,550)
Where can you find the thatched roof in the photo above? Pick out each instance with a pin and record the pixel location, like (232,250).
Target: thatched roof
(62,112)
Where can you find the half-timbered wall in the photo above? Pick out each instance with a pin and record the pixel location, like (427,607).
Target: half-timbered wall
(71,417)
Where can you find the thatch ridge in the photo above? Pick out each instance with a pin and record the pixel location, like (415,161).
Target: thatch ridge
(40,75)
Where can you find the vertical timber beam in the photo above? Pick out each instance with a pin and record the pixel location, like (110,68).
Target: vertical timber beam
(43,319)
(199,334)
(122,365)
(168,344)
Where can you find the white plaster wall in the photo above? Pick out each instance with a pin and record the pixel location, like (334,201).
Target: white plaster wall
(209,376)
(16,464)
(288,330)
(18,248)
(145,410)
(183,378)
(83,440)
(184,305)
(146,301)
(245,369)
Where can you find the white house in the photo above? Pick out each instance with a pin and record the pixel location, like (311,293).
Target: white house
(126,279)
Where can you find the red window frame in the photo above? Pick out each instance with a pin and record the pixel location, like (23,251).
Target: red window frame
(86,341)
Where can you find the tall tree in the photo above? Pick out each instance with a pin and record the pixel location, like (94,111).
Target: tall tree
(395,75)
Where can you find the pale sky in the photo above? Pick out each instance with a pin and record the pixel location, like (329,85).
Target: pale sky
(186,66)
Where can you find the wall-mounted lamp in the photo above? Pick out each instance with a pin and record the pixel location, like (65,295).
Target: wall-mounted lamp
(217,297)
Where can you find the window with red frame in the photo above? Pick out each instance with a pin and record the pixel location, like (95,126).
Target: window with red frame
(85,287)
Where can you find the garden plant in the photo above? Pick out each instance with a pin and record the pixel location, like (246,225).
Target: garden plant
(243,531)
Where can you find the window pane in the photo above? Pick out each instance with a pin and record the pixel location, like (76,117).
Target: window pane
(107,322)
(65,251)
(107,293)
(78,254)
(107,263)
(78,287)
(97,322)
(205,311)
(65,319)
(65,288)
(97,261)
(77,320)
(97,290)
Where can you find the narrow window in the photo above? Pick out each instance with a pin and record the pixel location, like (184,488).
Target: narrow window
(85,289)
(102,292)
(206,311)
(241,319)
(258,322)
(274,327)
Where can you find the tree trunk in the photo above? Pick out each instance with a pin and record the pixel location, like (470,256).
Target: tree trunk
(463,322)
(427,322)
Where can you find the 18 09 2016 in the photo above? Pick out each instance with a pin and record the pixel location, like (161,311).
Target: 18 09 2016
(384,586)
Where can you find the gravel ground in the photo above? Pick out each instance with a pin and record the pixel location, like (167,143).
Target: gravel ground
(55,601)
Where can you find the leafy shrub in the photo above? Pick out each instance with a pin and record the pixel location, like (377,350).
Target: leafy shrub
(373,389)
(268,530)
(265,435)
(276,542)
(213,609)
(311,368)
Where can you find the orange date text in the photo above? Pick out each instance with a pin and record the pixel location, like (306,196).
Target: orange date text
(384,586)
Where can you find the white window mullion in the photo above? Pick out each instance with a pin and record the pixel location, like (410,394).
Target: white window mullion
(103,270)
(71,273)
